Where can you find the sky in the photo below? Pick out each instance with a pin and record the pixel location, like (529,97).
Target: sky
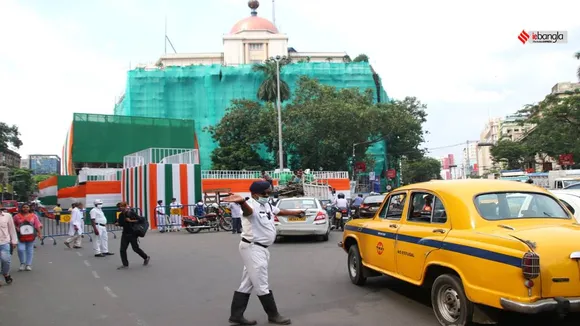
(461,58)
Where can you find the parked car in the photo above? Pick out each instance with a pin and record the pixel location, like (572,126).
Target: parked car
(469,242)
(570,199)
(370,205)
(315,222)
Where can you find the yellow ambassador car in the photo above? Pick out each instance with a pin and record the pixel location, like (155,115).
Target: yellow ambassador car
(475,244)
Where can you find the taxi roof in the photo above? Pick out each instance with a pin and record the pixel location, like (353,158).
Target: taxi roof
(472,187)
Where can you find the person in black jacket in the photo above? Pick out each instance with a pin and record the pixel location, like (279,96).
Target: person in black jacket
(127,219)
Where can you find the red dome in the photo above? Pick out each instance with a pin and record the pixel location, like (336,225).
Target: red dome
(254,23)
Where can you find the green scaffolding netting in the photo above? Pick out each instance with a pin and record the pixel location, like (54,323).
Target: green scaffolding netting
(202,93)
(108,138)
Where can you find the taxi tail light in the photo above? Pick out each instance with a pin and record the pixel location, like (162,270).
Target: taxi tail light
(320,216)
(531,265)
(276,219)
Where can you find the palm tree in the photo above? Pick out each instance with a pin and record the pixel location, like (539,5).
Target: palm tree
(268,89)
(577,55)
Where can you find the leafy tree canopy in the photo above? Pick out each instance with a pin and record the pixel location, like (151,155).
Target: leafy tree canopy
(23,183)
(320,126)
(511,154)
(557,122)
(9,135)
(421,170)
(361,58)
(268,90)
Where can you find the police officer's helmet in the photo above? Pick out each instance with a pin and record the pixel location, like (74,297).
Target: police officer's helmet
(341,195)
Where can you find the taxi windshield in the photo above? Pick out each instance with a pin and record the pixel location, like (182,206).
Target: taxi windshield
(518,205)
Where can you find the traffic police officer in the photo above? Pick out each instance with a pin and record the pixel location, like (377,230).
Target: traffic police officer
(258,232)
(99,223)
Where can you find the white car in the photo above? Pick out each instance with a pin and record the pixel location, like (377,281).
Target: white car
(315,222)
(571,199)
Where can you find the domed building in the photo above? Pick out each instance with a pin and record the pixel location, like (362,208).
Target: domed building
(251,40)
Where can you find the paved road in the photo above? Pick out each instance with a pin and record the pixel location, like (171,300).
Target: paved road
(190,282)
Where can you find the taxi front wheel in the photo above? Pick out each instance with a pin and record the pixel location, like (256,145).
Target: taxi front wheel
(355,266)
(450,304)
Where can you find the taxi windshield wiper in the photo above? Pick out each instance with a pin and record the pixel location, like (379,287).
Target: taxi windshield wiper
(546,214)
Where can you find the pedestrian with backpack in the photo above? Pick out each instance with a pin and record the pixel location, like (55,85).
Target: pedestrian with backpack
(133,226)
(28,228)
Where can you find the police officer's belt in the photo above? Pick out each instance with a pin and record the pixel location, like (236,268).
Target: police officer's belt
(105,225)
(256,243)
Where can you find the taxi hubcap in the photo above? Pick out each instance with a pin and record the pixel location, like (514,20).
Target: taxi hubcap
(352,267)
(449,303)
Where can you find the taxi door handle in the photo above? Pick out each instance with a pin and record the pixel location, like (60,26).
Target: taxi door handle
(393,226)
(439,231)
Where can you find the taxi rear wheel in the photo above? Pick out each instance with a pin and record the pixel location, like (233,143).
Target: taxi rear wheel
(450,304)
(355,266)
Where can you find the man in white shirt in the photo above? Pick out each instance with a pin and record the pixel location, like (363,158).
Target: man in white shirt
(99,223)
(258,232)
(236,210)
(75,230)
(8,242)
(161,216)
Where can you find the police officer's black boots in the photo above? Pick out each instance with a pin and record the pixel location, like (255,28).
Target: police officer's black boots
(270,308)
(239,304)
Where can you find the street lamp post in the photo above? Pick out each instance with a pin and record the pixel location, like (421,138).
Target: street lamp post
(279,107)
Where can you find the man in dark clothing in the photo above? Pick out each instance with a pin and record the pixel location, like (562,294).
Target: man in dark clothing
(127,219)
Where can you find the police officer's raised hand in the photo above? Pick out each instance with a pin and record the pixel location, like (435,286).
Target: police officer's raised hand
(234,199)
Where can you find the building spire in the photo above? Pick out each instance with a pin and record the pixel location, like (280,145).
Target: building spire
(254,4)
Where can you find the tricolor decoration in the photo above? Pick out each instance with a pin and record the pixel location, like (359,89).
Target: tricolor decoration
(143,186)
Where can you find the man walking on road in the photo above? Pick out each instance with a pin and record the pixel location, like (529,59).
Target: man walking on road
(8,242)
(236,210)
(258,232)
(76,227)
(99,223)
(127,219)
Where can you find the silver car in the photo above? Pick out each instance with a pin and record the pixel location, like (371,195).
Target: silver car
(315,222)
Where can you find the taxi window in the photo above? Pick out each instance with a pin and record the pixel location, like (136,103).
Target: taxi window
(568,206)
(500,206)
(426,208)
(393,210)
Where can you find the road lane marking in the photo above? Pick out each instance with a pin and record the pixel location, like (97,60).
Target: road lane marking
(87,263)
(80,255)
(110,292)
(95,274)
(139,322)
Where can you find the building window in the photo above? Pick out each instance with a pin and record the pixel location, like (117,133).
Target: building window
(255,46)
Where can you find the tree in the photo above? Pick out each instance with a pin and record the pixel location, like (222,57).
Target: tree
(22,183)
(557,121)
(361,58)
(268,90)
(512,154)
(420,170)
(577,55)
(346,59)
(239,135)
(9,135)
(322,123)
(401,125)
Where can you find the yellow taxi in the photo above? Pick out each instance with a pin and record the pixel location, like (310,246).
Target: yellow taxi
(481,246)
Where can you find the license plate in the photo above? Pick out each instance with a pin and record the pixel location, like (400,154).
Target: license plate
(296,219)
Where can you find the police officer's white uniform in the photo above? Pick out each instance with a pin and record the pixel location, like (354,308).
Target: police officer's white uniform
(175,218)
(101,242)
(258,232)
(161,217)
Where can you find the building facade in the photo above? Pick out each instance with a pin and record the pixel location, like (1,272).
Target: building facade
(251,40)
(489,135)
(9,158)
(44,164)
(448,168)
